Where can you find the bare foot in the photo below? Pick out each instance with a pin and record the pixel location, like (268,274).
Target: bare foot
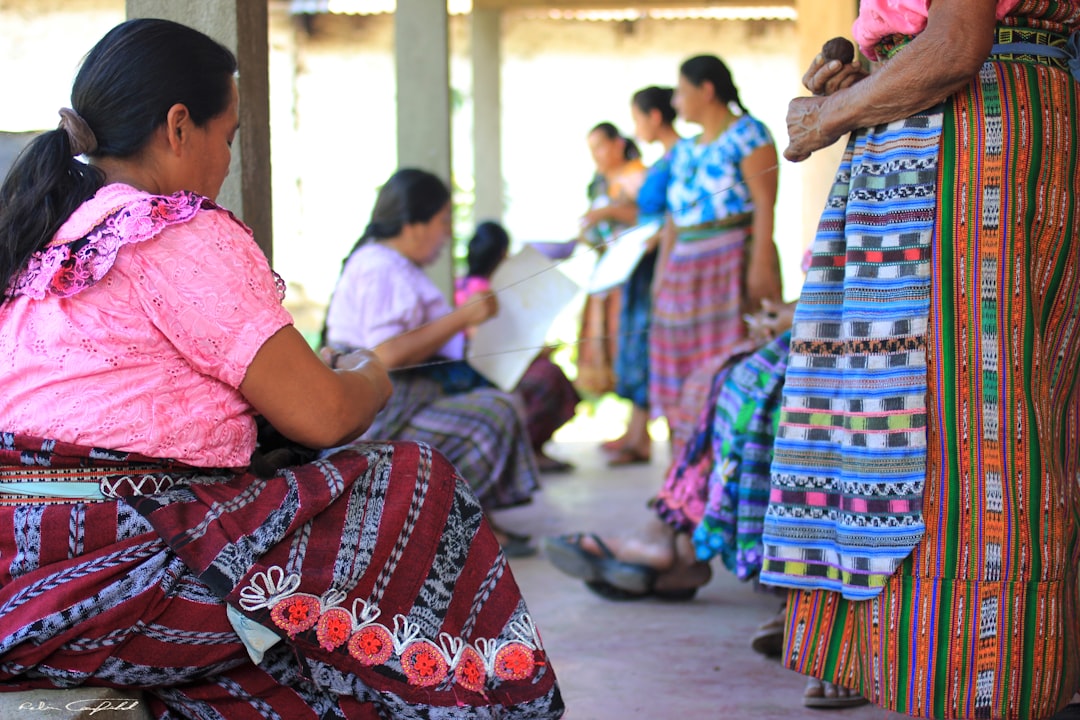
(687,571)
(652,546)
(613,446)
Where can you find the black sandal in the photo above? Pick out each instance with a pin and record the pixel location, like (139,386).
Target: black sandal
(605,574)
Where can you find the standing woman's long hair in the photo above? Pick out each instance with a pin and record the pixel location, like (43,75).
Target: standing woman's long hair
(710,68)
(630,148)
(657,98)
(121,95)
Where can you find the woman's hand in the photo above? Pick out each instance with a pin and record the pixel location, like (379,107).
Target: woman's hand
(806,128)
(593,217)
(939,62)
(824,77)
(773,319)
(480,307)
(367,364)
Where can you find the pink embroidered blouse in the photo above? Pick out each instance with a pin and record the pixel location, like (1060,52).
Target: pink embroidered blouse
(382,294)
(134,328)
(881,18)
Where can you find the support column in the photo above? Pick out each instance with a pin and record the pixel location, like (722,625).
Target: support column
(820,21)
(422,59)
(487,114)
(241,26)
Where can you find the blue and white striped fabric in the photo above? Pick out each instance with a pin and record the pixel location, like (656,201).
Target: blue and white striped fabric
(850,455)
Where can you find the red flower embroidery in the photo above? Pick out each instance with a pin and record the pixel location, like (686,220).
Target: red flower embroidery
(161,210)
(66,280)
(514,662)
(470,673)
(371,645)
(424,664)
(296,614)
(334,628)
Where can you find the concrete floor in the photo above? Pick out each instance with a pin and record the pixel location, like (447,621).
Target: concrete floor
(648,658)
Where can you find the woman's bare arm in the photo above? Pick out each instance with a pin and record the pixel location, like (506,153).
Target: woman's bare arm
(763,266)
(938,63)
(308,402)
(623,213)
(416,346)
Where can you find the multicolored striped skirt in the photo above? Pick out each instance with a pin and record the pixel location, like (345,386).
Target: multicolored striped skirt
(680,502)
(363,586)
(697,311)
(742,432)
(981,620)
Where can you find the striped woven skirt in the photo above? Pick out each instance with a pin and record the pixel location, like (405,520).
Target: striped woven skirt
(363,586)
(743,427)
(697,313)
(680,501)
(635,316)
(482,432)
(981,619)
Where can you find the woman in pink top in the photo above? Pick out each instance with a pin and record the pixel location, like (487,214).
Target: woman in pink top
(142,334)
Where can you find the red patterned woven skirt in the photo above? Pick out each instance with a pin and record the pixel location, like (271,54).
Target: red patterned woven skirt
(365,585)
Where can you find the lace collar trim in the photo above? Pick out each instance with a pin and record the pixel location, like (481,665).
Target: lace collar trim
(85,248)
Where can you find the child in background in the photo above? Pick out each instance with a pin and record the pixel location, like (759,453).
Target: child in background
(549,397)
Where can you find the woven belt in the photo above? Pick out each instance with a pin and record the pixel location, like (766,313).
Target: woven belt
(1015,44)
(709,229)
(1039,46)
(20,485)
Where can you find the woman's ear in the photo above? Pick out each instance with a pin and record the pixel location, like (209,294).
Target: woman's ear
(712,89)
(178,124)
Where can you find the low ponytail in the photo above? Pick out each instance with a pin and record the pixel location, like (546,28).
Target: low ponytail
(41,191)
(121,94)
(709,68)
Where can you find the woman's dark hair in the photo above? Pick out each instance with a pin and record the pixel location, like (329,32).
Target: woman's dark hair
(123,91)
(656,98)
(409,196)
(487,248)
(611,132)
(711,69)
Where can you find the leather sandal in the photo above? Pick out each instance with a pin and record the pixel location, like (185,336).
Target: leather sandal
(818,699)
(605,574)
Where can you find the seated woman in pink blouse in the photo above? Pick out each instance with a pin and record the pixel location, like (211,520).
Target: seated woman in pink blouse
(385,301)
(142,332)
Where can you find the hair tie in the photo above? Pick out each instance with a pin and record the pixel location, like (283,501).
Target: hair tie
(80,136)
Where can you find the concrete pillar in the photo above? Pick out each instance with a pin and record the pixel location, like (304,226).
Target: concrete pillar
(241,26)
(487,114)
(820,21)
(422,59)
